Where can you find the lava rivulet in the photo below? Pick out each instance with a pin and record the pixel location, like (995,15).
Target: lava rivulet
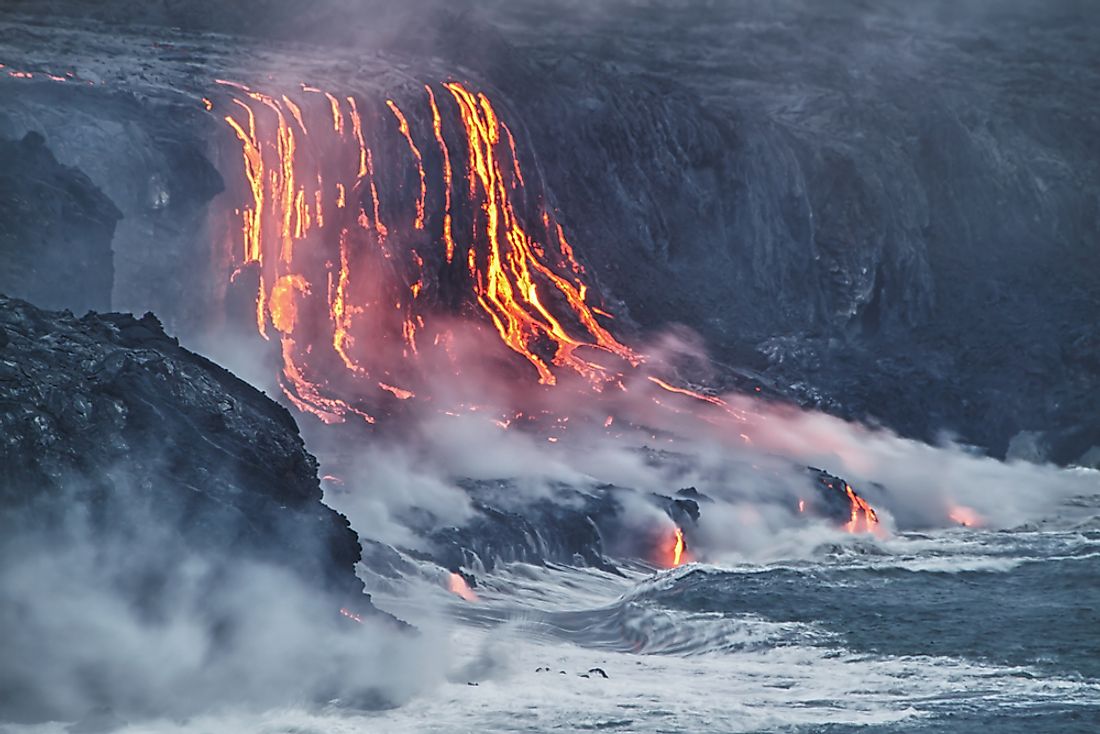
(863,517)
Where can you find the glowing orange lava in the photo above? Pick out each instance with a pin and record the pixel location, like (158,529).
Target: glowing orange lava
(863,518)
(965,516)
(308,165)
(458,586)
(348,226)
(344,611)
(672,551)
(678,548)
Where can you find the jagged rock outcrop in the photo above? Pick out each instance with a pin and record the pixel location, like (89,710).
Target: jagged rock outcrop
(596,526)
(105,409)
(55,241)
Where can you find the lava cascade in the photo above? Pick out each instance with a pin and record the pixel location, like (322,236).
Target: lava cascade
(352,259)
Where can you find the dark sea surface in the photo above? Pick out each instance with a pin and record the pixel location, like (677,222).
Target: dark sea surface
(953,630)
(950,631)
(1026,601)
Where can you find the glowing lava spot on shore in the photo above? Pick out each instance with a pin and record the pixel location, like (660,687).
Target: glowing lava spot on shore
(863,518)
(678,548)
(964,516)
(672,551)
(458,586)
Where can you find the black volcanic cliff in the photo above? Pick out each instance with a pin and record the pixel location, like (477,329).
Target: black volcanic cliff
(105,408)
(57,228)
(161,524)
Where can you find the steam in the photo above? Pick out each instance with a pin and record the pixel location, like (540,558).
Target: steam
(747,454)
(89,623)
(118,617)
(921,484)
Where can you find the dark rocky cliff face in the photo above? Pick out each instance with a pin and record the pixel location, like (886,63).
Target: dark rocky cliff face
(99,409)
(57,228)
(892,210)
(148,160)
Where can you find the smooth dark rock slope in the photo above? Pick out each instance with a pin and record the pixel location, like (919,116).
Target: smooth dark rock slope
(55,241)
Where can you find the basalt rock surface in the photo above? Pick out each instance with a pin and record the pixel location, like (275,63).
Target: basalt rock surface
(55,238)
(598,526)
(104,413)
(889,211)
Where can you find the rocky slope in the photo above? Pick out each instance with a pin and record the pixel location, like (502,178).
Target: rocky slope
(111,406)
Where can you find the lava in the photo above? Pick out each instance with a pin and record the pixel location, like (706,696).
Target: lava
(863,518)
(458,586)
(678,548)
(308,183)
(344,611)
(964,516)
(672,550)
(403,126)
(437,128)
(355,269)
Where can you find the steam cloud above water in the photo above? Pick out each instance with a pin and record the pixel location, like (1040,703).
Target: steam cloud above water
(101,628)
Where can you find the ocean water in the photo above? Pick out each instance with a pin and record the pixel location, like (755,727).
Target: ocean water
(950,631)
(953,631)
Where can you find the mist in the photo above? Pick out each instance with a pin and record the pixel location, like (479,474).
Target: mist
(115,617)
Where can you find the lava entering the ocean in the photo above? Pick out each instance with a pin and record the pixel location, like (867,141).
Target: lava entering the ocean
(672,551)
(863,518)
(457,585)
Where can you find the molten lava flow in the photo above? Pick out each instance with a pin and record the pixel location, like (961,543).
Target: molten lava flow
(678,548)
(341,286)
(672,551)
(458,586)
(403,126)
(689,393)
(510,276)
(437,128)
(344,611)
(863,518)
(283,302)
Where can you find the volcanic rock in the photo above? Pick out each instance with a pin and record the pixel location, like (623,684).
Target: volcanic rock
(102,408)
(55,230)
